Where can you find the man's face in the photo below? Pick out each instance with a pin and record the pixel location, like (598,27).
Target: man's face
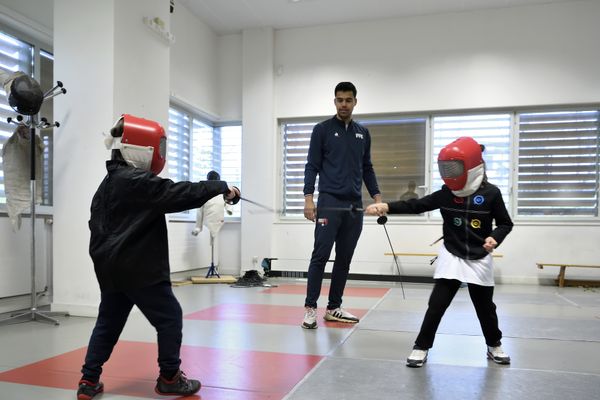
(344,103)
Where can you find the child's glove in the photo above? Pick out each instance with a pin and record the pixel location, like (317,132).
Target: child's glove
(233,196)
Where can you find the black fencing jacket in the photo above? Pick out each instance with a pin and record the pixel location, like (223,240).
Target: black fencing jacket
(468,221)
(128,242)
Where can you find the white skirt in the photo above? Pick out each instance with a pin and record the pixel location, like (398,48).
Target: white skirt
(479,272)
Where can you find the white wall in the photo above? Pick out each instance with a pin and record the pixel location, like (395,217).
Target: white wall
(87,72)
(193,58)
(507,57)
(34,18)
(204,69)
(258,145)
(520,56)
(229,75)
(110,63)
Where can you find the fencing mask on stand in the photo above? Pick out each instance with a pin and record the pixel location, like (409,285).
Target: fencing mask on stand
(24,93)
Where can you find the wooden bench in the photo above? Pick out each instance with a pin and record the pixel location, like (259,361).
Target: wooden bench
(433,255)
(424,254)
(570,282)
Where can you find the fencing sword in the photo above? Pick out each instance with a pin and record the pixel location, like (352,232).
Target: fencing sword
(352,208)
(381,221)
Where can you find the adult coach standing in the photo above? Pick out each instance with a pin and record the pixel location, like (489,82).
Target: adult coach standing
(340,153)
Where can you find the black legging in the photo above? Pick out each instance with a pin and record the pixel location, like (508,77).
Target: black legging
(441,297)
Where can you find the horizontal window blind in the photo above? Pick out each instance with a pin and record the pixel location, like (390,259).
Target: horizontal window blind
(195,148)
(558,163)
(296,139)
(15,55)
(178,145)
(231,158)
(205,150)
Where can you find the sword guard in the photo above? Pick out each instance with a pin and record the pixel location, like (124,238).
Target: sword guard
(236,199)
(382,220)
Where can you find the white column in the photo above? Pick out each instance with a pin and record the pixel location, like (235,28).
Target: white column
(259,166)
(110,63)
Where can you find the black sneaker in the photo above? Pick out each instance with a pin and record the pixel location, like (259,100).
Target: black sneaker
(180,385)
(87,390)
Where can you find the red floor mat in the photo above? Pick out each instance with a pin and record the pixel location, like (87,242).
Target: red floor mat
(265,314)
(225,374)
(348,291)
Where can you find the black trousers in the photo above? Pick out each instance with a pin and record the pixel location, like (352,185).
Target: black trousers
(443,292)
(333,226)
(159,306)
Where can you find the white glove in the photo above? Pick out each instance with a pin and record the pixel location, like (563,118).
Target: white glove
(196,231)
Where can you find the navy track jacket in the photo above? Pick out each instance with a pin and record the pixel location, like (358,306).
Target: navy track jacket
(342,158)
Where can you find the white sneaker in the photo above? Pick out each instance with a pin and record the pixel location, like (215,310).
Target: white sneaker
(340,315)
(497,355)
(310,318)
(417,358)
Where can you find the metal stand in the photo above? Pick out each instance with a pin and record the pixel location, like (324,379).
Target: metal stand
(212,271)
(33,314)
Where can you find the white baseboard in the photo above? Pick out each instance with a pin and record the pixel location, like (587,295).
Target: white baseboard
(76,310)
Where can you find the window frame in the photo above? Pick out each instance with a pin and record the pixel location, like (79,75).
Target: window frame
(193,115)
(543,219)
(513,147)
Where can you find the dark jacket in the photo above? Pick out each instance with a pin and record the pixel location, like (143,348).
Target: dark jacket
(468,221)
(342,159)
(128,243)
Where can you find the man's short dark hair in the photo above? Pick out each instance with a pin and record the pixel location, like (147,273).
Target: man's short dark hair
(345,87)
(213,176)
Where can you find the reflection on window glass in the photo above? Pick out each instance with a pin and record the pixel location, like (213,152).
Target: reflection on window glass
(397,149)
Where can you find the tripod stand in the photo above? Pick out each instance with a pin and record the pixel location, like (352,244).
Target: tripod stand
(33,314)
(212,271)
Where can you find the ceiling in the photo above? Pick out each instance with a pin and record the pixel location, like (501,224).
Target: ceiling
(233,16)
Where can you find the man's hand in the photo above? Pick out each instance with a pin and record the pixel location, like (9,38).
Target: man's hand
(310,211)
(490,244)
(377,209)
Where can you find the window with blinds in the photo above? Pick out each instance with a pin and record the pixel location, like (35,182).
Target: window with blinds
(397,148)
(231,158)
(196,147)
(558,163)
(296,139)
(491,130)
(19,55)
(15,55)
(178,145)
